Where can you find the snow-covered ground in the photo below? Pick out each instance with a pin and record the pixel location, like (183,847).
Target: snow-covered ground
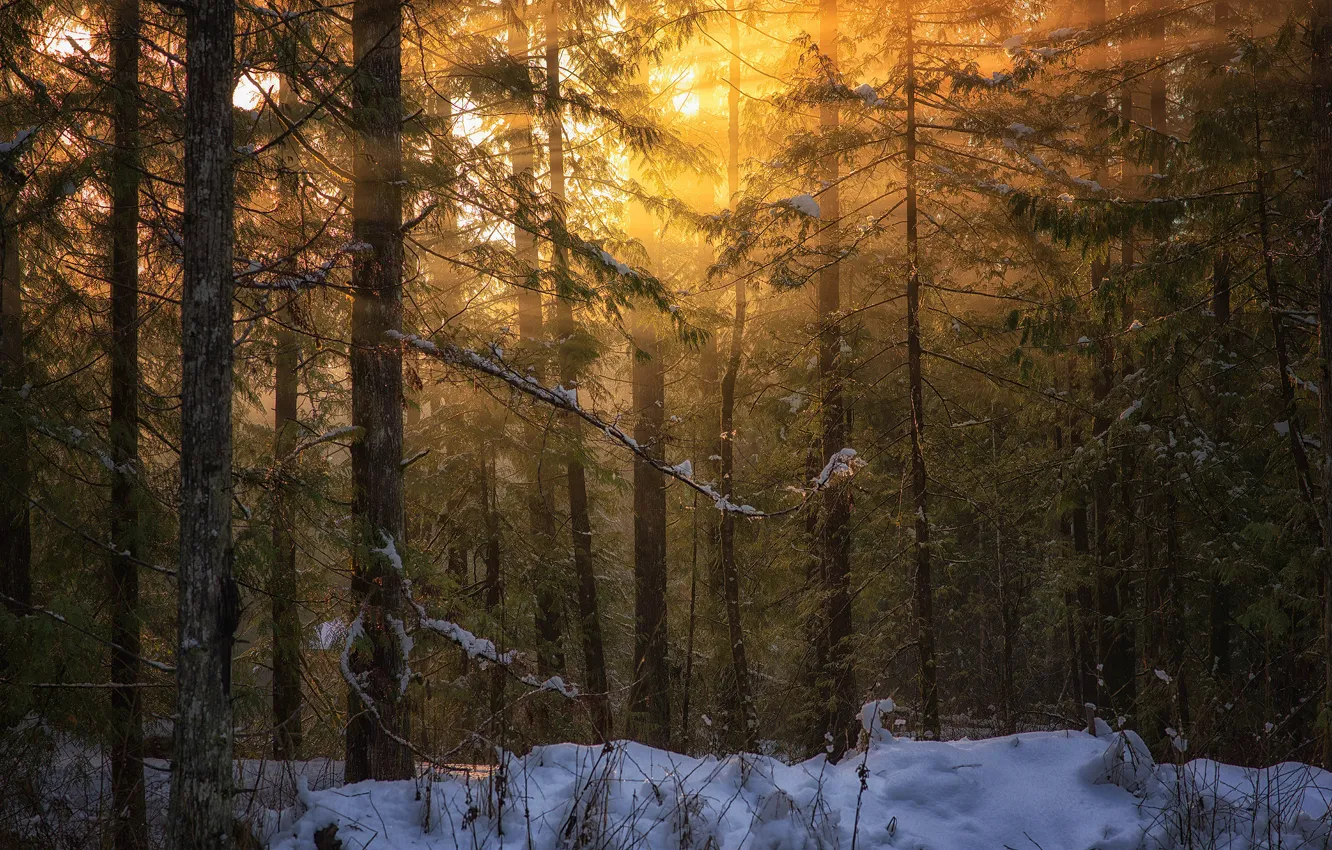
(55,791)
(1032,791)
(1036,791)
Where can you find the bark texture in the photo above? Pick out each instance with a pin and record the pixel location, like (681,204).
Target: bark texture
(128,808)
(15,536)
(201,805)
(1321,34)
(549,618)
(283,585)
(745,720)
(650,694)
(924,586)
(836,692)
(379,721)
(580,523)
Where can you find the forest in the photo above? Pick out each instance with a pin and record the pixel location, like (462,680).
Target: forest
(392,392)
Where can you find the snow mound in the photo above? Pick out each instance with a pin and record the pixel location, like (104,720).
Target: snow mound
(1052,790)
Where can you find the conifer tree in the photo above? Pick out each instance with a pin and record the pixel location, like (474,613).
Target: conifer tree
(201,813)
(127,788)
(379,726)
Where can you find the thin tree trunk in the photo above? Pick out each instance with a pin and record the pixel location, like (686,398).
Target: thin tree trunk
(201,811)
(1086,606)
(1065,532)
(1321,29)
(129,810)
(1008,615)
(837,696)
(691,629)
(1157,95)
(1083,639)
(1219,603)
(283,585)
(494,583)
(589,615)
(709,369)
(924,590)
(549,620)
(816,627)
(1114,654)
(1128,171)
(1114,651)
(376,733)
(745,718)
(1174,600)
(649,695)
(15,535)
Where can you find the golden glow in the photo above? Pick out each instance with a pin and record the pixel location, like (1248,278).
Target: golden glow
(685,103)
(67,39)
(470,122)
(251,89)
(677,84)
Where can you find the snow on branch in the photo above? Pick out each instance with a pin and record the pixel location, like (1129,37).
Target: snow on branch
(354,631)
(17,142)
(842,465)
(803,204)
(481,649)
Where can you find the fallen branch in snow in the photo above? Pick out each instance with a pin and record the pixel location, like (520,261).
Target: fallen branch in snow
(843,464)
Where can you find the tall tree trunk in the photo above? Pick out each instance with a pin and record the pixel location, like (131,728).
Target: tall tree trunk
(377,733)
(1084,635)
(1086,605)
(837,697)
(549,620)
(1114,651)
(1157,95)
(283,584)
(15,535)
(1321,29)
(1176,638)
(924,590)
(1220,603)
(816,627)
(1071,625)
(494,583)
(1119,664)
(589,615)
(1114,654)
(649,694)
(1128,170)
(201,806)
(745,719)
(129,811)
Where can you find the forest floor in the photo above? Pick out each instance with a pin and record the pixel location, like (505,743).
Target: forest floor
(1033,791)
(1065,790)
